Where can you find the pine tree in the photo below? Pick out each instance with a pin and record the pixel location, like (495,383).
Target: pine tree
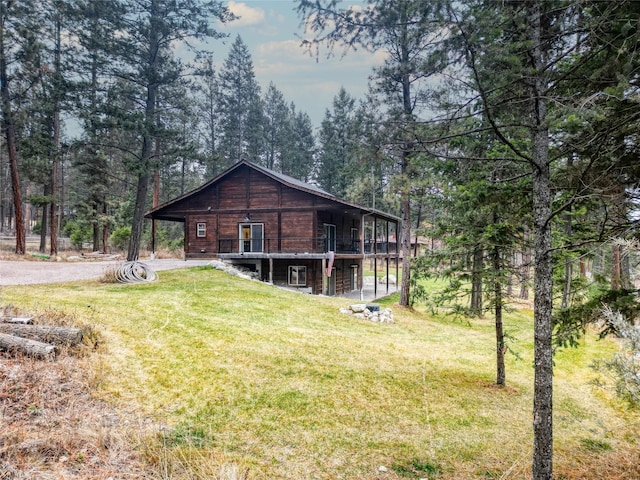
(277,128)
(145,59)
(337,144)
(20,51)
(301,146)
(408,32)
(241,108)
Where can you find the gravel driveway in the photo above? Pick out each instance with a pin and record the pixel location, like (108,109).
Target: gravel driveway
(30,272)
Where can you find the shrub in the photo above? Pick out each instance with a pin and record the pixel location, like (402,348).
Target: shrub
(78,233)
(120,238)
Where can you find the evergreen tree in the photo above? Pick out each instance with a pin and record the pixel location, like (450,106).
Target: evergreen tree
(301,147)
(241,108)
(95,24)
(277,128)
(210,125)
(522,58)
(19,66)
(408,32)
(337,144)
(145,59)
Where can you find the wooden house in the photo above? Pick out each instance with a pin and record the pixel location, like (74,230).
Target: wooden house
(291,233)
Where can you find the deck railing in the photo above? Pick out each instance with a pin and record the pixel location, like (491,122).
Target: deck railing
(301,245)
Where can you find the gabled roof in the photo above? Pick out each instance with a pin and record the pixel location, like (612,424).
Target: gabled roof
(279,177)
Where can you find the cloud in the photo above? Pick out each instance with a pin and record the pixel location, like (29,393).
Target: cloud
(248,16)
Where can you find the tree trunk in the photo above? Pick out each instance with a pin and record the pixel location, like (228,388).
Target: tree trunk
(105,229)
(405,170)
(144,175)
(525,268)
(32,348)
(44,333)
(43,227)
(616,281)
(138,217)
(406,247)
(10,134)
(476,280)
(625,269)
(55,154)
(497,292)
(542,461)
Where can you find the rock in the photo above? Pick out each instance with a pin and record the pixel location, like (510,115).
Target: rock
(370,312)
(218,265)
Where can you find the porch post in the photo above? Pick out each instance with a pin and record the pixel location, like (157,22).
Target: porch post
(153,239)
(388,254)
(325,282)
(271,270)
(364,260)
(397,256)
(375,257)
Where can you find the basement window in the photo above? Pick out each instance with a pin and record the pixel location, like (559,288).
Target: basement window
(201,230)
(297,276)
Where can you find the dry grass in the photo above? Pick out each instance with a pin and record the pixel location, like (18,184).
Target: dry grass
(53,427)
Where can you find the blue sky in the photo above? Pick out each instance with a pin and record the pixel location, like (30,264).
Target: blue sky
(271,30)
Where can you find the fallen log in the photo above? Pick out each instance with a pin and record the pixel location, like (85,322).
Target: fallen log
(44,333)
(29,347)
(23,320)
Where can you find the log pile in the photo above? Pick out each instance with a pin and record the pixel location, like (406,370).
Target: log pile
(17,334)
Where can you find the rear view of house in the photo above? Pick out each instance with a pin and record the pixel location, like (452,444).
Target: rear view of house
(291,233)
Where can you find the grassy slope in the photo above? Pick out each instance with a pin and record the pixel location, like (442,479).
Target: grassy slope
(250,378)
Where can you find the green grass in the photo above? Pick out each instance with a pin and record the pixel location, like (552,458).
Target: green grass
(249,378)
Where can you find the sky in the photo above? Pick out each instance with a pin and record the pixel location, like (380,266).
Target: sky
(272,32)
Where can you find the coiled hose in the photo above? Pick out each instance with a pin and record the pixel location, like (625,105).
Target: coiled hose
(134,272)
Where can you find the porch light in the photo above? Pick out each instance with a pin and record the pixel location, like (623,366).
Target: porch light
(247,217)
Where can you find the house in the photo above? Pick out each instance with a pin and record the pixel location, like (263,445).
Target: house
(291,233)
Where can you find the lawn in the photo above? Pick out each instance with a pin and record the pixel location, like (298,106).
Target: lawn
(239,379)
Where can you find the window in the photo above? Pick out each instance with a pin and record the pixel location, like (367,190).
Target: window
(298,276)
(201,229)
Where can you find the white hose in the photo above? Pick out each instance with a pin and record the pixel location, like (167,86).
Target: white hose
(134,272)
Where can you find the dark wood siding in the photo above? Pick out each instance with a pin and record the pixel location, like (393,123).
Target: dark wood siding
(207,243)
(233,191)
(263,191)
(297,232)
(294,218)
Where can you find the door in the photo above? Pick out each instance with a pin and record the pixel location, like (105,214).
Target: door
(354,277)
(330,237)
(251,237)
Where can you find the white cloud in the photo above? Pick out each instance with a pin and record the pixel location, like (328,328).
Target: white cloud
(248,16)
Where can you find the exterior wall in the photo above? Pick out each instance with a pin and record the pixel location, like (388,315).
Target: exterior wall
(342,273)
(200,245)
(297,231)
(292,220)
